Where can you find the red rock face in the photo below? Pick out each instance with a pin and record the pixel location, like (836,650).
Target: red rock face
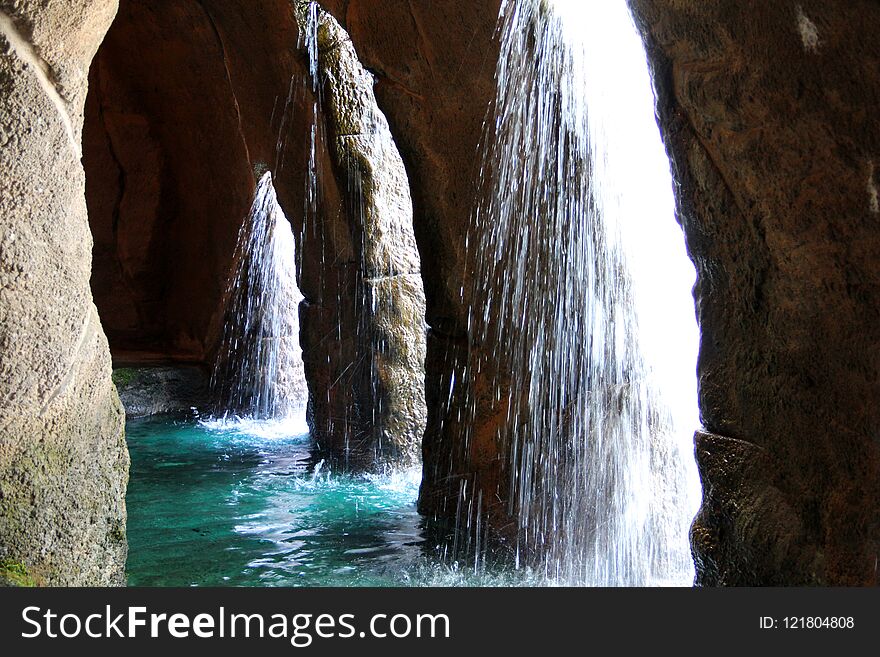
(169,156)
(189,105)
(435,65)
(767,110)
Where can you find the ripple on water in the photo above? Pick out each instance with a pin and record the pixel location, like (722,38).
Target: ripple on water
(232,501)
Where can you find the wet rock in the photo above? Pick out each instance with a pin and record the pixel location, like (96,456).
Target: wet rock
(146,391)
(768,116)
(180,124)
(391,300)
(434,65)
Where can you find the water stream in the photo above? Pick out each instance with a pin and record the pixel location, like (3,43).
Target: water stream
(259,369)
(239,502)
(582,300)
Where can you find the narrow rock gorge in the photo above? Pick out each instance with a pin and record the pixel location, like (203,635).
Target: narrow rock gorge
(179,125)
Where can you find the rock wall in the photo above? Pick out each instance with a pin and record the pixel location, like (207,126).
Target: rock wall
(169,164)
(63,461)
(434,64)
(389,291)
(191,103)
(768,111)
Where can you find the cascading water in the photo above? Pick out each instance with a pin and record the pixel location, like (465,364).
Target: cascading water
(582,300)
(259,369)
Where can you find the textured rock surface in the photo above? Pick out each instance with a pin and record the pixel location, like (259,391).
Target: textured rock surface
(768,110)
(434,64)
(168,176)
(63,462)
(391,297)
(146,391)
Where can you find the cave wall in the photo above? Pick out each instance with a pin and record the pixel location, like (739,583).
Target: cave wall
(165,210)
(169,157)
(389,292)
(191,103)
(63,461)
(434,65)
(768,112)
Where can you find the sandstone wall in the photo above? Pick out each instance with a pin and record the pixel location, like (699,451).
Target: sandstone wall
(63,461)
(434,64)
(389,293)
(768,114)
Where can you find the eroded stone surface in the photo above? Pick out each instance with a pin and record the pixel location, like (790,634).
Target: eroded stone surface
(434,65)
(390,294)
(768,114)
(180,123)
(63,461)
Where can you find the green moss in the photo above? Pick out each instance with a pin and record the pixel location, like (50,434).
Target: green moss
(117,532)
(123,376)
(260,168)
(14,573)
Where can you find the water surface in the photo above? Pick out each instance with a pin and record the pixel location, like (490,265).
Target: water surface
(214,503)
(237,502)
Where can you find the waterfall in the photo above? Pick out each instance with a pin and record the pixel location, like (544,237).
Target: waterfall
(582,300)
(259,369)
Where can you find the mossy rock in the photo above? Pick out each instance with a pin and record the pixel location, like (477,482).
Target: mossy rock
(14,573)
(122,376)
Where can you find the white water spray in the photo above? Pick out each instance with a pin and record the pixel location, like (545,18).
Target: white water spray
(583,298)
(259,371)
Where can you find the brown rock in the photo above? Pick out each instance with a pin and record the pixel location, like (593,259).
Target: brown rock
(389,295)
(191,102)
(434,63)
(768,114)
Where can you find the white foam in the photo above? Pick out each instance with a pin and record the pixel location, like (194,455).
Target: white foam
(271,429)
